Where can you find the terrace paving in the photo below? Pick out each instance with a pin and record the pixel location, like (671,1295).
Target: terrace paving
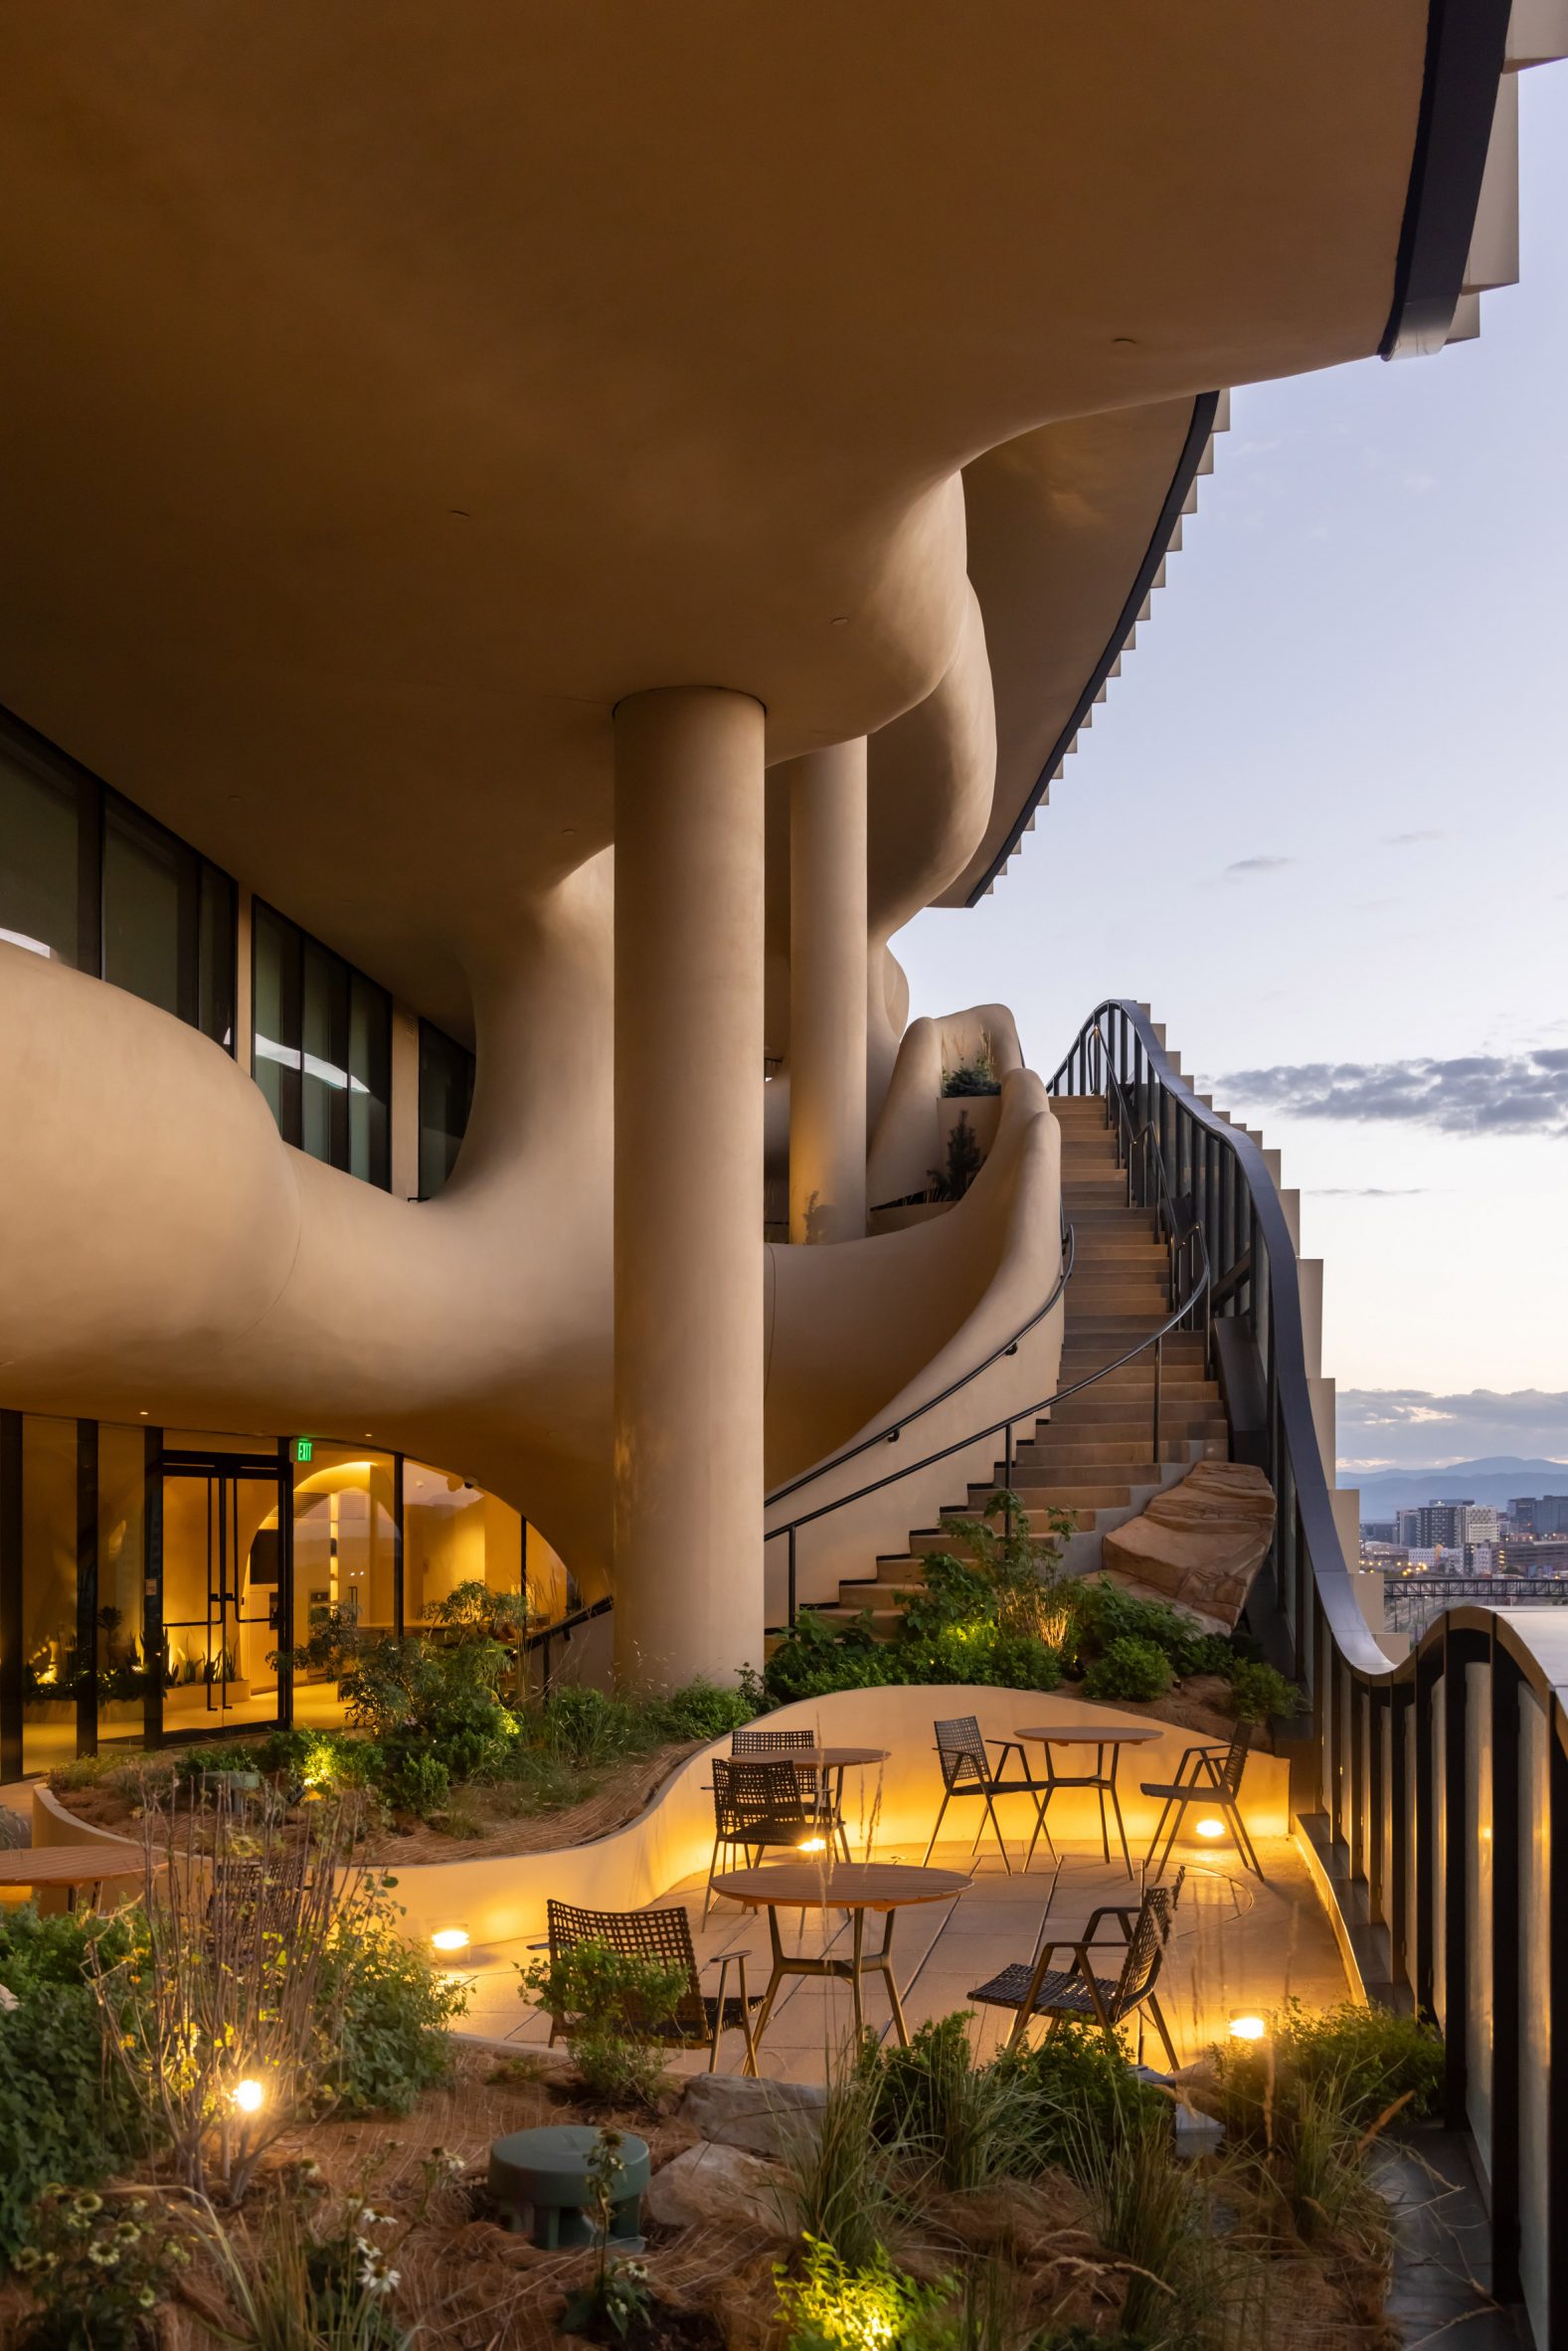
(1238,1946)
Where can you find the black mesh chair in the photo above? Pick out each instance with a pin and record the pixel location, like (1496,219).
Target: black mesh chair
(757,1803)
(1036,1988)
(701,2018)
(1210,1776)
(825,1810)
(967,1770)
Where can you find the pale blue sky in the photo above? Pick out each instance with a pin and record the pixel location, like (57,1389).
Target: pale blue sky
(1365,637)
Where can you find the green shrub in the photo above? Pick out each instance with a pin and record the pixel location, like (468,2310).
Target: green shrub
(1369,2057)
(445,1700)
(612,2007)
(965,2123)
(1082,2094)
(834,2308)
(414,1781)
(63,2113)
(702,1712)
(816,1657)
(590,1728)
(1128,1668)
(393,2008)
(1257,1691)
(98,2269)
(1102,1612)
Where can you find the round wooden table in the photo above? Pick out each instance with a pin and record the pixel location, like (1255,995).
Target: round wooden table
(1102,1737)
(823,1762)
(72,1867)
(856,1886)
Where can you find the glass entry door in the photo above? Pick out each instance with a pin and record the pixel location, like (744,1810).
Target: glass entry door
(223,1619)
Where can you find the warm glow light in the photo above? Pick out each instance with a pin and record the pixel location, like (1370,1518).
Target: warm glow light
(249,2097)
(1211,1828)
(1248,2028)
(813,1844)
(450,1939)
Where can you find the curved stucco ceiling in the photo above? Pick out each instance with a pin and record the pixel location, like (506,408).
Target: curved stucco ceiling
(391,390)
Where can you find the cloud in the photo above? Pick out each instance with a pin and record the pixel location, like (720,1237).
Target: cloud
(1408,840)
(1408,1427)
(1366,1192)
(1473,1094)
(1258,865)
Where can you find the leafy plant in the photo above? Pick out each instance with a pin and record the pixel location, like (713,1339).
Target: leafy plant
(1102,1612)
(444,1701)
(610,2006)
(701,1711)
(1080,2093)
(841,2174)
(304,2285)
(1128,1669)
(1258,1690)
(965,2123)
(1373,2058)
(414,1781)
(98,2268)
(617,2297)
(835,2305)
(387,2010)
(964,1160)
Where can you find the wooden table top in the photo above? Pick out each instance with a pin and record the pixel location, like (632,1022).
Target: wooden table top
(815,1758)
(1093,1735)
(846,1885)
(69,1864)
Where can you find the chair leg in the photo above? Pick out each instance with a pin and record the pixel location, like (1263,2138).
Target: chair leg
(931,1847)
(1249,1852)
(1001,1842)
(1159,1831)
(712,1871)
(1160,2027)
(1179,1814)
(1040,1823)
(1115,1806)
(1105,1834)
(746,2022)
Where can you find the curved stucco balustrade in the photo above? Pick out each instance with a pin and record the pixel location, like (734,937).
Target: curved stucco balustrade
(170,1257)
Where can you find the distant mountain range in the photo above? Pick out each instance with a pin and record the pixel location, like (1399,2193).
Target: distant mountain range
(1496,1479)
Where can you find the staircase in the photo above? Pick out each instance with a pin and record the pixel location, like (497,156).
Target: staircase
(1093,1455)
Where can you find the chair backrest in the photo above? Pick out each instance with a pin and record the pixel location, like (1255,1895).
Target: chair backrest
(1235,1762)
(660,1935)
(1146,1950)
(960,1751)
(756,1794)
(769,1742)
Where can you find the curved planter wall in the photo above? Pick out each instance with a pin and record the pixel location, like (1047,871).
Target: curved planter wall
(502,1899)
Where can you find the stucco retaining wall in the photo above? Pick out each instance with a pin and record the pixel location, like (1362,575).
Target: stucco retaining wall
(502,1899)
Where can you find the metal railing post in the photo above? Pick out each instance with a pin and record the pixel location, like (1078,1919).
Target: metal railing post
(791,1593)
(1160,1350)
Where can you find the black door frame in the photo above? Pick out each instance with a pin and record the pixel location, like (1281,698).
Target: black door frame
(219,1463)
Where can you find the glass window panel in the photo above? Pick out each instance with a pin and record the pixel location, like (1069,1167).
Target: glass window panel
(216,977)
(121,1581)
(149,910)
(50,1663)
(369,1081)
(345,1567)
(455,1532)
(276,992)
(40,892)
(446,1098)
(323,1129)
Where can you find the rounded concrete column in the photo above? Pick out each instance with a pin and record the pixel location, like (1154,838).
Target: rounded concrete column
(689,1263)
(827,995)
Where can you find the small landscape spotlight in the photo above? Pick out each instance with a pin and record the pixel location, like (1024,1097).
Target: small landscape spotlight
(813,1844)
(249,2097)
(1211,1828)
(1248,2028)
(450,1938)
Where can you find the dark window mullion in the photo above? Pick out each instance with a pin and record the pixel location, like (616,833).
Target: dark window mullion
(90,876)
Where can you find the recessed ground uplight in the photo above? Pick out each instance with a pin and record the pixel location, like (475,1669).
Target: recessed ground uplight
(249,2097)
(813,1844)
(450,1938)
(1248,2028)
(1211,1828)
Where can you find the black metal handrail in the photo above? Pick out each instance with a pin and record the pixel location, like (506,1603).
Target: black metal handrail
(1432,1795)
(891,1433)
(1186,1249)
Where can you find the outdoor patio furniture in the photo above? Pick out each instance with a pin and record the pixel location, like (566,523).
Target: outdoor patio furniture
(853,1886)
(547,2176)
(812,1764)
(757,1803)
(1106,1738)
(1210,1776)
(701,2018)
(967,1770)
(1079,1991)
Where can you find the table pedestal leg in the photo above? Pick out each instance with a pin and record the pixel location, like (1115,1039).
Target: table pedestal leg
(775,1980)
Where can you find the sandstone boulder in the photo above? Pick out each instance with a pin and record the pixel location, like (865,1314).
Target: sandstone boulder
(712,2184)
(762,2117)
(1198,1544)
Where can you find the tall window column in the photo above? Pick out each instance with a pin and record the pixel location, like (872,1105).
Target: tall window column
(688,1186)
(827,995)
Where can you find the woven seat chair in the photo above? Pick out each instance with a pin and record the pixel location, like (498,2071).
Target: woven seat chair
(757,1803)
(1210,1776)
(825,1813)
(701,2019)
(253,1898)
(967,1770)
(1036,1988)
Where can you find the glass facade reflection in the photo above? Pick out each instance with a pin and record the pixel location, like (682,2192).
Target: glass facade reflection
(445,1099)
(322,1048)
(167,1585)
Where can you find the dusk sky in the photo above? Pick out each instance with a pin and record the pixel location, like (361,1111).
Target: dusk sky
(1328,797)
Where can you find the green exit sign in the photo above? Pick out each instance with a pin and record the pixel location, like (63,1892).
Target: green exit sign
(303,1448)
